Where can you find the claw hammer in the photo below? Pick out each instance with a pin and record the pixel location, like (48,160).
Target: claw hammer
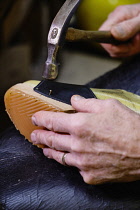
(59,32)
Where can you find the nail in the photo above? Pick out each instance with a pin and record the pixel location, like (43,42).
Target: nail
(119,30)
(33,137)
(46,153)
(78,97)
(34,121)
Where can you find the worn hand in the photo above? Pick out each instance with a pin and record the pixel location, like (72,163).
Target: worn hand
(124,24)
(102,139)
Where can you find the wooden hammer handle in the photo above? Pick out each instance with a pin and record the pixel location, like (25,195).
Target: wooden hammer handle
(74,35)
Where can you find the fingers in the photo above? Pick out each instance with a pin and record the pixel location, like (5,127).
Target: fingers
(86,105)
(51,139)
(90,176)
(126,29)
(63,122)
(121,14)
(124,50)
(54,121)
(70,159)
(58,156)
(124,24)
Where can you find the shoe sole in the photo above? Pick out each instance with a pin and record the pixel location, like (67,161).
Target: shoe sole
(21,102)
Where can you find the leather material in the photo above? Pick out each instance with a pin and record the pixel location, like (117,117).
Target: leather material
(61,91)
(30,181)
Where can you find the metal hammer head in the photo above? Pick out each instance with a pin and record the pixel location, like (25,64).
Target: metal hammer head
(56,36)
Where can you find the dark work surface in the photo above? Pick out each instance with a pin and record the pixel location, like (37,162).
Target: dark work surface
(5,121)
(28,180)
(126,77)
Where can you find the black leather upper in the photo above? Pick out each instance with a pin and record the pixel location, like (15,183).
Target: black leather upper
(61,91)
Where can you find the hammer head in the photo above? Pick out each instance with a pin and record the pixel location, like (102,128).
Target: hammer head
(56,36)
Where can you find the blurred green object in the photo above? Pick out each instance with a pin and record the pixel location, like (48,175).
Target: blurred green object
(92,13)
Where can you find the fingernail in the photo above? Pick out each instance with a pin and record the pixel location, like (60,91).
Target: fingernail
(33,137)
(45,151)
(34,121)
(78,97)
(119,30)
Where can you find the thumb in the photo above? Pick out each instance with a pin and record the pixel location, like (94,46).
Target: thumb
(81,104)
(126,29)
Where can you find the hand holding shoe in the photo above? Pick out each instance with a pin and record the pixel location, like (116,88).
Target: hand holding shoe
(102,139)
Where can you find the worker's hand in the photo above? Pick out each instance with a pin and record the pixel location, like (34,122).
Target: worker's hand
(124,24)
(102,140)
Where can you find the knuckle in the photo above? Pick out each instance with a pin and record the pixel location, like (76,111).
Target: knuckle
(88,103)
(88,179)
(112,50)
(92,179)
(49,125)
(116,11)
(79,124)
(50,139)
(39,136)
(82,163)
(119,9)
(111,102)
(57,157)
(76,146)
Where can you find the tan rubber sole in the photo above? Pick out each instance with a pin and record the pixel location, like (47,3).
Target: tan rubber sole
(22,102)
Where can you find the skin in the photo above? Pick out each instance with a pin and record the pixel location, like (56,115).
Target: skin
(102,139)
(124,24)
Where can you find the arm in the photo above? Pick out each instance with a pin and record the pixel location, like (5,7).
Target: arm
(124,24)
